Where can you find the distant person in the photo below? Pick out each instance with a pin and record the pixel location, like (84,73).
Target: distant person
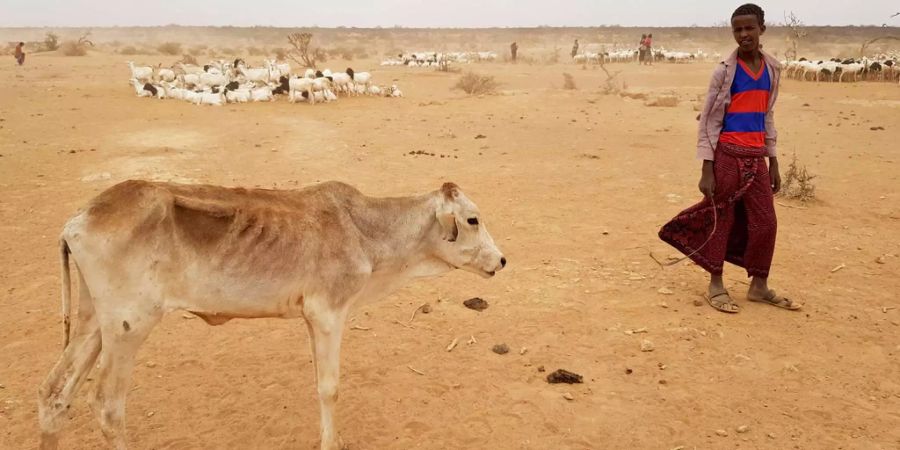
(20,54)
(575,48)
(642,49)
(513,50)
(648,44)
(736,222)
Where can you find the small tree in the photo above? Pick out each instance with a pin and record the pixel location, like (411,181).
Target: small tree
(865,45)
(302,52)
(79,47)
(611,85)
(51,42)
(796,33)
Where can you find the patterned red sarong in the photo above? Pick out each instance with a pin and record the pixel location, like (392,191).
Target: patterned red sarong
(745,233)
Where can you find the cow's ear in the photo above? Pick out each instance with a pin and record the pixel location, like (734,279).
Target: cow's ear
(447,220)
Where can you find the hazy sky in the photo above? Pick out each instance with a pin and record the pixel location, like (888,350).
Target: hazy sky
(430,13)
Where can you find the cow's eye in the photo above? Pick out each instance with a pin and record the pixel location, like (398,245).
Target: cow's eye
(472,221)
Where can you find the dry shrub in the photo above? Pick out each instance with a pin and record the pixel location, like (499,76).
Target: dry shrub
(553,57)
(797,183)
(341,52)
(70,48)
(568,81)
(280,54)
(666,101)
(473,84)
(229,52)
(51,42)
(445,66)
(198,50)
(256,51)
(169,48)
(130,50)
(189,59)
(302,51)
(360,52)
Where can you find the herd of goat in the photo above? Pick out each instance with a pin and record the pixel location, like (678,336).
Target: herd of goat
(435,59)
(633,55)
(221,82)
(877,69)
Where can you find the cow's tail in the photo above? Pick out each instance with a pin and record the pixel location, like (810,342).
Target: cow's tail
(66,289)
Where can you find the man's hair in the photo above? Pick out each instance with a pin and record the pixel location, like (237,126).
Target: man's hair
(749,9)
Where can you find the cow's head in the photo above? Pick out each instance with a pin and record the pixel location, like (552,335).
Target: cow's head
(466,243)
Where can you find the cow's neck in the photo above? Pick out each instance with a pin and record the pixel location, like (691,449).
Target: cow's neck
(399,234)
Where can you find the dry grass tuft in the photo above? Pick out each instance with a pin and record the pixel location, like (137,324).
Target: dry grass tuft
(797,183)
(473,84)
(189,59)
(568,81)
(169,48)
(71,48)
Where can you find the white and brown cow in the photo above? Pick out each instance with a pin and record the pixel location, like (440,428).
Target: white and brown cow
(143,249)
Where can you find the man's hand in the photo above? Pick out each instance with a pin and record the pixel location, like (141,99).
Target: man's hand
(774,175)
(708,179)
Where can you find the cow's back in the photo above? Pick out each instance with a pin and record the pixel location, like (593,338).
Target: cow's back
(228,229)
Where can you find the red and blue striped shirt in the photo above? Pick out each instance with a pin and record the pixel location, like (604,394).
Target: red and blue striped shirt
(745,119)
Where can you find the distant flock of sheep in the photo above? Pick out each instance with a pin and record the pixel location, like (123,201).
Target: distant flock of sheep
(632,55)
(221,82)
(435,59)
(882,68)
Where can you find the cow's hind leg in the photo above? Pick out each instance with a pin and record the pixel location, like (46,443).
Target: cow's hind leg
(326,328)
(123,332)
(69,373)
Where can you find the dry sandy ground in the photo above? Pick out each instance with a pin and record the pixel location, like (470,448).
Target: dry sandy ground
(573,185)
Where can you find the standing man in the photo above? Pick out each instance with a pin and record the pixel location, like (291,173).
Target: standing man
(513,49)
(642,49)
(20,54)
(648,44)
(736,221)
(575,48)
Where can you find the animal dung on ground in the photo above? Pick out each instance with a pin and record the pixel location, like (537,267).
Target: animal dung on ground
(480,136)
(476,303)
(564,376)
(500,349)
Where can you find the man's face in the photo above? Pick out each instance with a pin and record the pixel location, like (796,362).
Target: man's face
(746,30)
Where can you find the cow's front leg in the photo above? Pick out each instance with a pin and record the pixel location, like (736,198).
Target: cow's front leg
(326,328)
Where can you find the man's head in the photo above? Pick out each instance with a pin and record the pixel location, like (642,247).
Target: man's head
(650,35)
(747,24)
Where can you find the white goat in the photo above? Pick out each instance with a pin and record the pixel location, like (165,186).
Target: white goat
(141,73)
(238,96)
(262,94)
